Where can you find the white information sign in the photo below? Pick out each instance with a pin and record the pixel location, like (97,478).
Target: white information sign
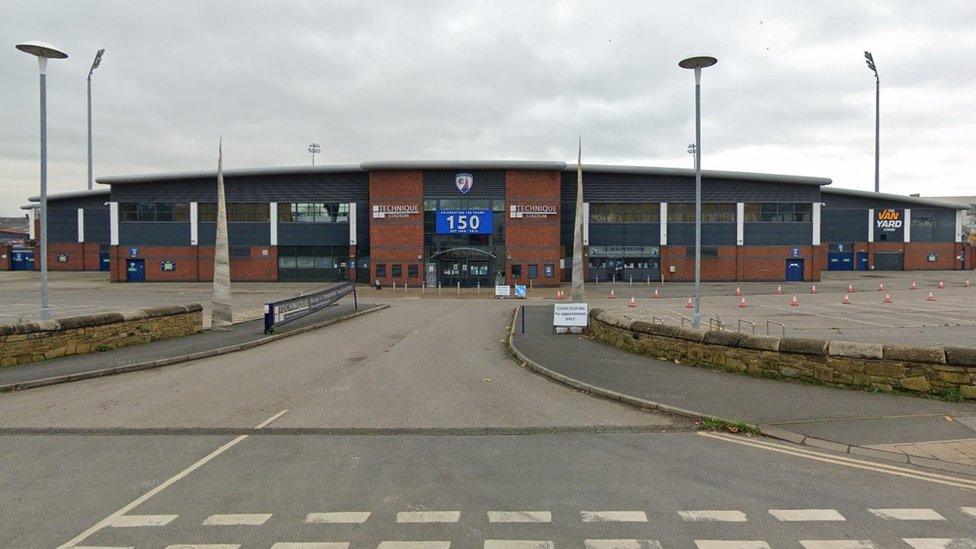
(502,290)
(570,315)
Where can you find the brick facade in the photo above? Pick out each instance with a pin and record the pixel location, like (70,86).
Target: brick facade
(739,263)
(5,259)
(396,239)
(195,264)
(533,239)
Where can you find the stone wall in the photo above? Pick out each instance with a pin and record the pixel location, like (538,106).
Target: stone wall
(933,370)
(75,335)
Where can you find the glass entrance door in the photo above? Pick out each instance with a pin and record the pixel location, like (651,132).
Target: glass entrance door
(469,272)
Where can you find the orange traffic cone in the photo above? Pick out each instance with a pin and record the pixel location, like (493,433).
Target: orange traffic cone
(738,291)
(742,303)
(930,297)
(813,289)
(560,294)
(633,302)
(613,295)
(941,284)
(794,302)
(690,305)
(779,290)
(657,294)
(887,298)
(847,300)
(881,287)
(914,286)
(850,288)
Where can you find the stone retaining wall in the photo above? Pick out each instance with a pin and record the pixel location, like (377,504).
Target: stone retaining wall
(934,370)
(33,341)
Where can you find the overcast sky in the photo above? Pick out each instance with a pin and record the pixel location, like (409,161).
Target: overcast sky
(494,80)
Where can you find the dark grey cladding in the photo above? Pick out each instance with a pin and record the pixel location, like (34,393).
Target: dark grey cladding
(626,187)
(154,234)
(844,225)
(774,234)
(626,234)
(96,224)
(441,184)
(325,187)
(850,198)
(713,234)
(238,234)
(62,225)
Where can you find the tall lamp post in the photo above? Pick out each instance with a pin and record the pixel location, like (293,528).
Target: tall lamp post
(43,51)
(697,63)
(315,149)
(869,59)
(691,150)
(95,63)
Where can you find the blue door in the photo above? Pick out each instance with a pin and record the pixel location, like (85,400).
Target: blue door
(794,270)
(135,270)
(21,260)
(104,263)
(839,261)
(862,261)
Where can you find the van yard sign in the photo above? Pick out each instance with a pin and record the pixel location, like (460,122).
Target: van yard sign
(888,221)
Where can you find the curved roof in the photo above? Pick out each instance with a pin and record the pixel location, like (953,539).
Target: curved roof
(69,194)
(900,198)
(712,174)
(463,165)
(240,172)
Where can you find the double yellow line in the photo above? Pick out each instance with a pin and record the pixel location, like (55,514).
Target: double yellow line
(957,482)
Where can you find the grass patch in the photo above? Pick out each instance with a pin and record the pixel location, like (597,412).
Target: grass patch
(713,424)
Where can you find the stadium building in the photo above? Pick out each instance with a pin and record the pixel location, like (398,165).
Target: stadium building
(479,222)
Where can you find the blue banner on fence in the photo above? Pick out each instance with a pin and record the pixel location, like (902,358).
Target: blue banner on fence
(279,312)
(464,222)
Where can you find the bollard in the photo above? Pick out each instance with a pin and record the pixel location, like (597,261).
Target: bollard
(394,285)
(404,287)
(648,282)
(479,287)
(530,283)
(423,288)
(522,317)
(459,289)
(438,288)
(597,279)
(631,280)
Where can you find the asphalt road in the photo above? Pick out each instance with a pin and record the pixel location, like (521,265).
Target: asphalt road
(412,423)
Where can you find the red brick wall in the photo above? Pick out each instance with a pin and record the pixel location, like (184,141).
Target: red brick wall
(195,264)
(396,240)
(740,263)
(532,240)
(916,256)
(5,251)
(90,258)
(75,251)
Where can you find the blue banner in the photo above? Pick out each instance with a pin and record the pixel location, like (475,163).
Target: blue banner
(464,222)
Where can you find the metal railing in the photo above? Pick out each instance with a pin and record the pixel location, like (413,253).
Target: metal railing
(744,321)
(717,323)
(657,320)
(782,326)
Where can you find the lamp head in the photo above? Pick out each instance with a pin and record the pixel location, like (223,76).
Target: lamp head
(98,59)
(41,49)
(698,62)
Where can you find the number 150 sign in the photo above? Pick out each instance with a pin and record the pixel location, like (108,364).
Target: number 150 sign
(464,222)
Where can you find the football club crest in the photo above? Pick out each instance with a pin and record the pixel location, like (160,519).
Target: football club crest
(464,182)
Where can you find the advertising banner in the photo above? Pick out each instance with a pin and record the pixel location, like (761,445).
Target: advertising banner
(889,224)
(464,222)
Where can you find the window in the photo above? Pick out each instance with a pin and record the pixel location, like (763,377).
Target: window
(413,271)
(237,212)
(533,271)
(684,212)
(313,212)
(311,257)
(397,271)
(381,269)
(549,270)
(516,271)
(706,251)
(783,212)
(178,212)
(239,252)
(622,212)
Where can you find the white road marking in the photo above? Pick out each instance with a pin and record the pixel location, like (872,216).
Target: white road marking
(517,544)
(310,545)
(130,521)
(621,544)
(206,546)
(838,544)
(941,543)
(730,544)
(237,519)
(414,545)
(713,516)
(519,516)
(428,516)
(969,511)
(101,547)
(268,421)
(165,484)
(956,482)
(337,518)
(799,515)
(907,514)
(614,516)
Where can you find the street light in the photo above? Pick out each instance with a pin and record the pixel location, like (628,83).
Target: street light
(43,51)
(95,63)
(869,59)
(697,63)
(315,149)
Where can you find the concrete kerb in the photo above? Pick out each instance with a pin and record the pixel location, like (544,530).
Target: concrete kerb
(182,358)
(770,431)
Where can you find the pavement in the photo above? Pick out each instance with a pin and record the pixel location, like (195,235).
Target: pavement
(411,427)
(909,425)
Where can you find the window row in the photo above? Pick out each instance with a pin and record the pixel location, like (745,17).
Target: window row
(396,270)
(154,211)
(237,212)
(313,257)
(313,212)
(433,204)
(684,212)
(549,271)
(625,212)
(779,212)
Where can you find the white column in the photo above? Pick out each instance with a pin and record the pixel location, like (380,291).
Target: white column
(31,217)
(113,223)
(273,222)
(664,223)
(870,224)
(81,224)
(740,223)
(959,216)
(816,223)
(352,223)
(194,224)
(586,223)
(908,225)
